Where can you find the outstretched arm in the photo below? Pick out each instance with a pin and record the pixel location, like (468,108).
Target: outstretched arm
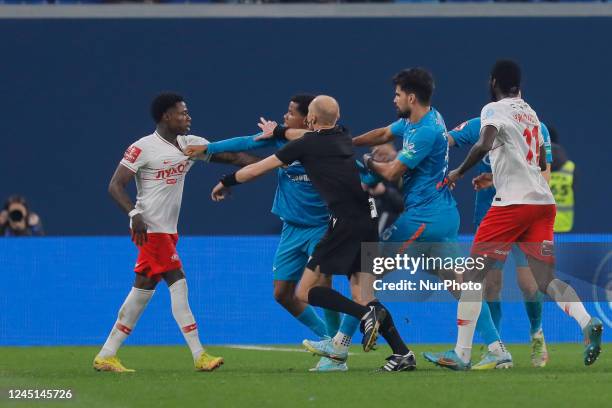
(237,159)
(225,151)
(374,137)
(245,174)
(271,130)
(235,144)
(476,154)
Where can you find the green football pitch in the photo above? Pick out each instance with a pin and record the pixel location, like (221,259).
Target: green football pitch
(279,377)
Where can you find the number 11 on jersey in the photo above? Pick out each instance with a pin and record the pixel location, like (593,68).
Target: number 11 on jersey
(532,136)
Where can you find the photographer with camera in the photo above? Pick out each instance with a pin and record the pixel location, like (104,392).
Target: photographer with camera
(16,220)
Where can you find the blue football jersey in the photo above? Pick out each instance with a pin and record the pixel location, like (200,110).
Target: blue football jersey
(467,134)
(296,200)
(425,153)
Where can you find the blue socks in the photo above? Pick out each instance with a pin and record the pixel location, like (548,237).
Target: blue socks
(533,307)
(332,321)
(496,313)
(534,312)
(349,325)
(311,319)
(485,326)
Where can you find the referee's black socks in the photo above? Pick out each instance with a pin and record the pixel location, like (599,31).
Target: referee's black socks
(328,298)
(389,332)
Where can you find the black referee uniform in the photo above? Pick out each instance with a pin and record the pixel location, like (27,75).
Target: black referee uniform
(329,160)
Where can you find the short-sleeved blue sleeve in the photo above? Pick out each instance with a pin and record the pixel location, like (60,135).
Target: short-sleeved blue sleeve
(417,147)
(466,133)
(239,144)
(547,145)
(398,127)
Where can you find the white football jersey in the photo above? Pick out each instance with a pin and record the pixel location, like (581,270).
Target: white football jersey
(160,169)
(515,153)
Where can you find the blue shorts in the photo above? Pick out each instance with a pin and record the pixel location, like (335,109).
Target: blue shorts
(520,260)
(295,247)
(434,235)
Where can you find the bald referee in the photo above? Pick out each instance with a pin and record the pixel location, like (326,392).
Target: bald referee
(326,152)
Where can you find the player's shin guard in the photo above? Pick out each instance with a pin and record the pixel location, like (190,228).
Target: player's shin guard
(131,310)
(568,301)
(468,310)
(390,333)
(330,299)
(183,316)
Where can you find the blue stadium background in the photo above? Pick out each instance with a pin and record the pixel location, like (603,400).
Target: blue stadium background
(76,94)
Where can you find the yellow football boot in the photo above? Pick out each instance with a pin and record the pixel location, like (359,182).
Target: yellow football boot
(110,364)
(206,362)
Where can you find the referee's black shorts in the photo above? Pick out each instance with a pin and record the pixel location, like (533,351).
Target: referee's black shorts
(339,251)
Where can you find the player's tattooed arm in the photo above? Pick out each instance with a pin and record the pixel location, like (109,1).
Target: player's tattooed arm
(237,159)
(374,137)
(476,154)
(117,190)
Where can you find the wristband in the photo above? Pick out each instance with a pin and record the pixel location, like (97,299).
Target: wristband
(229,180)
(279,132)
(134,212)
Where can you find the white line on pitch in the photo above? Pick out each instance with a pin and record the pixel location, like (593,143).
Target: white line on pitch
(265,348)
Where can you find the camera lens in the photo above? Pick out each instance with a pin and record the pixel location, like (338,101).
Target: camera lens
(16,215)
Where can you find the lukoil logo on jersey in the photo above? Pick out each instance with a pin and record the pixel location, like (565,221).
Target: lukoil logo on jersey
(172,171)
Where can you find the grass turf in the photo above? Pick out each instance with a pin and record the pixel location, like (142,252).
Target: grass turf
(252,378)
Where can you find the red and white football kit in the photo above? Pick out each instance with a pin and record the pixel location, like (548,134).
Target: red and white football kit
(160,169)
(523,209)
